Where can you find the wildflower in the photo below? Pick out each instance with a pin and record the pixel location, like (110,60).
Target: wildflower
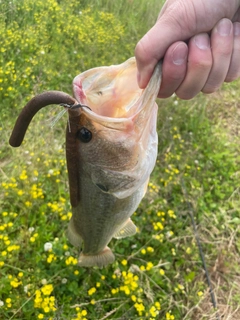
(51,257)
(169,234)
(9,302)
(157,305)
(124,262)
(1,303)
(169,316)
(15,283)
(71,260)
(65,247)
(114,291)
(171,214)
(139,307)
(188,250)
(47,289)
(47,246)
(40,316)
(92,291)
(153,311)
(150,249)
(64,280)
(23,175)
(25,288)
(162,272)
(13,247)
(200,293)
(149,266)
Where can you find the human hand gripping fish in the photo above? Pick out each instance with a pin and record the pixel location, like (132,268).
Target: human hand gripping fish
(111,150)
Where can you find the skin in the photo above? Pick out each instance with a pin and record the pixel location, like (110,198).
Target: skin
(200,43)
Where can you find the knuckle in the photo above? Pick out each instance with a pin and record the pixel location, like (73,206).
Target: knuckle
(203,64)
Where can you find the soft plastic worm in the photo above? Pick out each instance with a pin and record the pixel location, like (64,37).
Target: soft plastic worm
(32,107)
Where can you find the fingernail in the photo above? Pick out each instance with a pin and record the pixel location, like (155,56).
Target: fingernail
(202,41)
(236,29)
(179,54)
(224,27)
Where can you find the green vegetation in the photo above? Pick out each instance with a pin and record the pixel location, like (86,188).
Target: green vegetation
(158,273)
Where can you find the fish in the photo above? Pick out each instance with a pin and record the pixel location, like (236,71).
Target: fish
(111,150)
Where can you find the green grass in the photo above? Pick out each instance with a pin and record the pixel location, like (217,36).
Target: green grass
(158,273)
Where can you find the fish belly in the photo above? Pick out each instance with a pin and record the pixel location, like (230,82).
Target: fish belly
(98,218)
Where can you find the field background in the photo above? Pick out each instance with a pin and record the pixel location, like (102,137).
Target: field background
(158,273)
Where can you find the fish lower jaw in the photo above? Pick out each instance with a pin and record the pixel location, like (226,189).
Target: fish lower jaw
(100,260)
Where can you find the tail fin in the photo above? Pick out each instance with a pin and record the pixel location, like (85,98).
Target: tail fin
(100,260)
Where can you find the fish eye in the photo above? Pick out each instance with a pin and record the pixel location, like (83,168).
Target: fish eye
(84,135)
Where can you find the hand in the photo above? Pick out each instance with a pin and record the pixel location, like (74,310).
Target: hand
(211,56)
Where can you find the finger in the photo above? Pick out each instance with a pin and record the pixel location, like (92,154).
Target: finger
(174,68)
(234,69)
(222,46)
(170,28)
(198,68)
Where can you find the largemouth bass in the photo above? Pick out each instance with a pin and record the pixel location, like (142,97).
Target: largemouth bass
(111,149)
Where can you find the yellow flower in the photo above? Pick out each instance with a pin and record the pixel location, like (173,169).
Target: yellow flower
(162,272)
(157,305)
(92,291)
(47,289)
(140,308)
(134,298)
(150,249)
(15,283)
(124,262)
(149,266)
(200,293)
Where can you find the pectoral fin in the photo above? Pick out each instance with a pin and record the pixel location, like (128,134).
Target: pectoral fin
(99,260)
(129,229)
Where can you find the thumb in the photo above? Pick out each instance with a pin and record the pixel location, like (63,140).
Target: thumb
(169,28)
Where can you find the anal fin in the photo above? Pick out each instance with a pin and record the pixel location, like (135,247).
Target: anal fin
(129,229)
(99,260)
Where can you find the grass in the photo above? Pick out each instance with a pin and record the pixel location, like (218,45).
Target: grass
(158,273)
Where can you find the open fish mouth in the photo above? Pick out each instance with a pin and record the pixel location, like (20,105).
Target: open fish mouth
(112,93)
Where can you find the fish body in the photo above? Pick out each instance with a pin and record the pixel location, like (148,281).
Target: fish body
(115,149)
